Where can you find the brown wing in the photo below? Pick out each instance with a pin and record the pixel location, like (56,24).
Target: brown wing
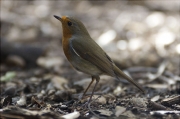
(93,53)
(89,50)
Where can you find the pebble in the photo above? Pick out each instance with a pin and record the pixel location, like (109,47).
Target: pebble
(16,60)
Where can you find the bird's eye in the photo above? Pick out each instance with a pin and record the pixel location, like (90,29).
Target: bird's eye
(69,23)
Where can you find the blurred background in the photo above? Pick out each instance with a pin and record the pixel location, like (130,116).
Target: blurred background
(142,37)
(144,33)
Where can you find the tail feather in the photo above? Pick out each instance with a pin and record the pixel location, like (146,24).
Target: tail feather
(119,73)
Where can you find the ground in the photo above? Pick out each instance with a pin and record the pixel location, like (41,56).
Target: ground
(141,37)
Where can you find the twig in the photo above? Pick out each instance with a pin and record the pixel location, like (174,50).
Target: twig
(5,116)
(89,107)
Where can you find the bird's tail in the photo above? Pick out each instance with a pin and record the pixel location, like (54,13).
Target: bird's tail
(119,73)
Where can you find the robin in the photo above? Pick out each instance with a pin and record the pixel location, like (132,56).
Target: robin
(86,55)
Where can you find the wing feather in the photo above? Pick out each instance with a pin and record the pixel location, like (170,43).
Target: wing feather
(93,53)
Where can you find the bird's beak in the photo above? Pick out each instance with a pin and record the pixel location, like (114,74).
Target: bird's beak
(57,17)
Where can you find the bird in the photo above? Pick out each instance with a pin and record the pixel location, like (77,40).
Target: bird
(85,55)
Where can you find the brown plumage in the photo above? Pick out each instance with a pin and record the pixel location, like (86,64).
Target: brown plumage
(86,55)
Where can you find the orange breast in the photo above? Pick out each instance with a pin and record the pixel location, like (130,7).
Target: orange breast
(66,48)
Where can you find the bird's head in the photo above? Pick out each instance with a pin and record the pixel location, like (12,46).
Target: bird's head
(72,26)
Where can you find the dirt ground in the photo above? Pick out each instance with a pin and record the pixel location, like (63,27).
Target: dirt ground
(142,38)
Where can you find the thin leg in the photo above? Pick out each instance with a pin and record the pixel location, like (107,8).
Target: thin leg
(88,86)
(97,81)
